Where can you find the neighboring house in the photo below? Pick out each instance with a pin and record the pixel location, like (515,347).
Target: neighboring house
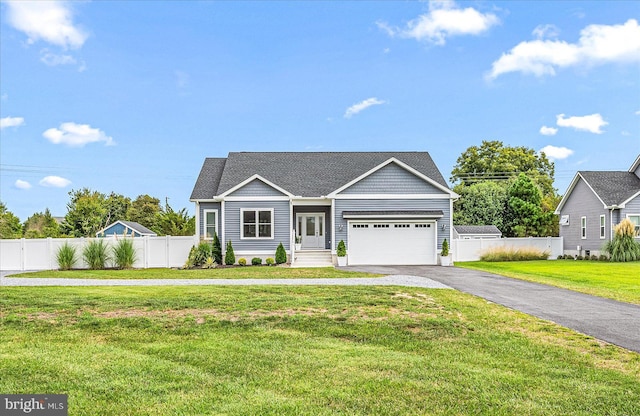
(129,228)
(474,232)
(388,207)
(594,203)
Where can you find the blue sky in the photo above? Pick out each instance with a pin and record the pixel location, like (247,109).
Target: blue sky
(131,96)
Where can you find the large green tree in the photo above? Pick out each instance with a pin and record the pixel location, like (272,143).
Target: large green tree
(524,215)
(494,161)
(9,224)
(144,210)
(481,203)
(41,225)
(170,222)
(86,213)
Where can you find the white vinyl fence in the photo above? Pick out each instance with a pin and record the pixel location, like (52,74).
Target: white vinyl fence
(40,254)
(470,250)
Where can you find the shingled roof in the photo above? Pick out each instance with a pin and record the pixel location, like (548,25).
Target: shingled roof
(307,174)
(477,229)
(612,187)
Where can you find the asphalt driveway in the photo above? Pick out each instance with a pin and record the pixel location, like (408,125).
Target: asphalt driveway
(605,319)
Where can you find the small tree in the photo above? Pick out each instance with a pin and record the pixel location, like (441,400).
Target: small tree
(341,250)
(281,254)
(623,247)
(229,255)
(445,248)
(217,249)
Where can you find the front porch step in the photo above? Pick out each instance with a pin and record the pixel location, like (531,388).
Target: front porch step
(312,258)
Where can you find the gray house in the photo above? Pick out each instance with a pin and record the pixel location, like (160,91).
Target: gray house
(594,203)
(131,228)
(388,207)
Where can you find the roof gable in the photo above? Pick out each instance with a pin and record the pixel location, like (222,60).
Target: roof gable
(612,188)
(256,186)
(129,225)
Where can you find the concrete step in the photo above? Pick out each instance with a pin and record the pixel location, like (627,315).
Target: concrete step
(312,258)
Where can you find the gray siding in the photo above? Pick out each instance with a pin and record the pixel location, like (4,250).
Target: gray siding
(256,188)
(392,179)
(637,171)
(583,202)
(632,208)
(209,205)
(327,217)
(280,232)
(392,204)
(119,229)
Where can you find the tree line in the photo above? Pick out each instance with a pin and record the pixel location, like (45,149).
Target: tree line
(89,211)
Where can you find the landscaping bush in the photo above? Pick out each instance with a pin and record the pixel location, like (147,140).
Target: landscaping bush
(445,248)
(95,254)
(579,257)
(270,261)
(229,255)
(623,247)
(560,257)
(513,254)
(256,261)
(242,261)
(209,263)
(281,254)
(202,253)
(603,257)
(341,250)
(594,257)
(66,257)
(217,249)
(124,253)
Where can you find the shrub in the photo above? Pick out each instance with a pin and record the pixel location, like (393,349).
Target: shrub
(242,261)
(270,261)
(202,253)
(513,254)
(256,261)
(229,255)
(445,248)
(341,250)
(603,257)
(124,253)
(95,254)
(568,257)
(281,254)
(579,257)
(560,257)
(594,257)
(209,263)
(66,257)
(623,247)
(217,249)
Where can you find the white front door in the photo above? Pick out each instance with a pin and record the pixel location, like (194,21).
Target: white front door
(311,228)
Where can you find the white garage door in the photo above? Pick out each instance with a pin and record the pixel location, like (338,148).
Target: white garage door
(392,242)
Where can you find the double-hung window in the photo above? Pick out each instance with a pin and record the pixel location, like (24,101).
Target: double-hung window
(602,227)
(635,219)
(210,223)
(256,223)
(583,228)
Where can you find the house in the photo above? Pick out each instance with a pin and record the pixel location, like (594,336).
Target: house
(130,228)
(594,203)
(388,207)
(474,232)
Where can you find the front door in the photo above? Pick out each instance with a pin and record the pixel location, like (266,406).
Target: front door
(311,228)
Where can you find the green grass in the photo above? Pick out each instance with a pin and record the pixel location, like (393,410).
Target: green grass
(619,281)
(302,351)
(221,273)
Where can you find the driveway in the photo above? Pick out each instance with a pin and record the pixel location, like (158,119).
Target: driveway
(605,319)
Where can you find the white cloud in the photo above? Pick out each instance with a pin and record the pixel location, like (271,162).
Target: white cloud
(556,153)
(52,59)
(598,44)
(548,131)
(546,32)
(77,135)
(20,184)
(591,123)
(443,20)
(638,113)
(11,122)
(54,182)
(362,105)
(50,21)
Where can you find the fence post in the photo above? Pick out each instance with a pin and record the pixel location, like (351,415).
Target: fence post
(49,253)
(23,260)
(167,242)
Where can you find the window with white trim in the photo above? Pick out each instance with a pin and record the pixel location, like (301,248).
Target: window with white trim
(256,223)
(583,228)
(210,222)
(635,219)
(603,232)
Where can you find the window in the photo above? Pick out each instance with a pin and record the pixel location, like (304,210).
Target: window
(402,225)
(210,223)
(602,227)
(256,223)
(635,219)
(360,225)
(423,225)
(380,225)
(583,228)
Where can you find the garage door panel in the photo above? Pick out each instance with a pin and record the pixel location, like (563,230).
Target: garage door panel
(380,243)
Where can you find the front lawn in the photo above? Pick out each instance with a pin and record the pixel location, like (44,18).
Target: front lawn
(302,351)
(619,281)
(247,272)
